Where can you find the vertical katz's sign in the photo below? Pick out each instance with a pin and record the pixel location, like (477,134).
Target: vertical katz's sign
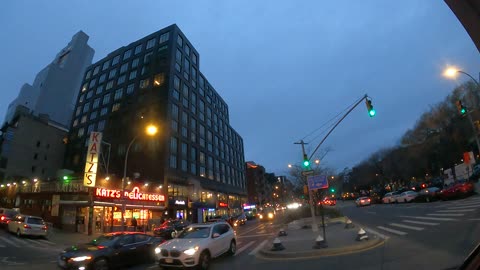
(93,155)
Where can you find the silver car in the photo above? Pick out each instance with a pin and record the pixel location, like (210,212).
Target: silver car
(27,225)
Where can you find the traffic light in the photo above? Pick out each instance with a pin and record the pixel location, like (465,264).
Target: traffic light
(371,110)
(332,190)
(66,179)
(306,161)
(461,109)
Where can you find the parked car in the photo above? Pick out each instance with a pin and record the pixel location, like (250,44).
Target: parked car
(27,225)
(170,228)
(328,201)
(109,251)
(388,198)
(428,194)
(459,189)
(6,215)
(363,201)
(196,245)
(240,220)
(406,196)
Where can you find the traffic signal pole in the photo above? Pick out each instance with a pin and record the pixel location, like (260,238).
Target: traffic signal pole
(475,132)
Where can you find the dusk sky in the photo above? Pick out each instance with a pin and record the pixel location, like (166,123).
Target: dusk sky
(283,67)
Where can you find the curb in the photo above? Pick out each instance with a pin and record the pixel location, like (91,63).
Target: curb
(329,252)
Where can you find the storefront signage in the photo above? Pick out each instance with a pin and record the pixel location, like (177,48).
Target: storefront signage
(223,204)
(247,207)
(91,163)
(178,202)
(135,195)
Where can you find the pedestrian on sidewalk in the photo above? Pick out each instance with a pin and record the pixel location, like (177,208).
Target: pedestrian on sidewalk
(134,224)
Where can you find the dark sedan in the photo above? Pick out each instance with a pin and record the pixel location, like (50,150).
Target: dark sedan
(170,228)
(110,251)
(6,215)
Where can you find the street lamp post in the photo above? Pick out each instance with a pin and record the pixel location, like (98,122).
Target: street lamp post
(451,72)
(150,130)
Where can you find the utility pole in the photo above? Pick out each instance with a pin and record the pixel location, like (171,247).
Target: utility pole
(310,195)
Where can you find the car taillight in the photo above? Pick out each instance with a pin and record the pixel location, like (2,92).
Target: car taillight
(26,226)
(2,218)
(368,200)
(44,228)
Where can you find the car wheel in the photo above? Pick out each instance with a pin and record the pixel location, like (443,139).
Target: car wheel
(100,264)
(204,261)
(233,248)
(19,234)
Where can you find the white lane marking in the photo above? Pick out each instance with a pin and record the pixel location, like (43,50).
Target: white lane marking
(255,235)
(253,252)
(46,242)
(420,222)
(476,219)
(406,226)
(377,233)
(455,210)
(431,218)
(9,241)
(464,207)
(468,204)
(391,230)
(256,227)
(240,250)
(446,215)
(37,243)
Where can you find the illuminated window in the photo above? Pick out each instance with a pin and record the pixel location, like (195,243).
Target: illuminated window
(159,79)
(80,133)
(116,107)
(144,83)
(202,171)
(184,165)
(84,119)
(79,110)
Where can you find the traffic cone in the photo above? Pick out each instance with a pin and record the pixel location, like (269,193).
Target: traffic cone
(349,224)
(362,235)
(277,245)
(282,232)
(320,243)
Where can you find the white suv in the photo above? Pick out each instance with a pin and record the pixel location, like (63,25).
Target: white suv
(27,225)
(196,245)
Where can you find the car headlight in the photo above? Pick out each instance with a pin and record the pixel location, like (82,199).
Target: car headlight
(260,216)
(191,251)
(81,258)
(270,215)
(157,250)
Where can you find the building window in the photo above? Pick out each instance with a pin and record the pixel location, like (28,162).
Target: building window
(202,171)
(96,70)
(75,122)
(106,65)
(93,115)
(83,119)
(112,73)
(185,102)
(88,75)
(106,99)
(150,43)
(185,90)
(185,118)
(101,125)
(177,67)
(176,94)
(80,133)
(133,75)
(184,132)
(176,82)
(121,79)
(89,129)
(193,136)
(144,83)
(201,91)
(34,168)
(173,145)
(193,124)
(194,58)
(202,158)
(174,125)
(193,168)
(84,87)
(130,89)
(102,78)
(187,50)
(159,79)
(135,63)
(138,49)
(86,107)
(35,156)
(184,165)
(194,74)
(174,111)
(162,49)
(99,89)
(116,107)
(109,85)
(180,41)
(202,142)
(118,94)
(173,161)
(164,37)
(127,54)
(92,84)
(147,58)
(186,65)
(145,69)
(123,68)
(104,111)
(89,94)
(115,60)
(184,149)
(178,56)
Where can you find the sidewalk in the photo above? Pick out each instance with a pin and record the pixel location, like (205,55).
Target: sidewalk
(300,241)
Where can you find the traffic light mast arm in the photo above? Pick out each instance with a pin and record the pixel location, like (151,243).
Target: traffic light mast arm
(336,124)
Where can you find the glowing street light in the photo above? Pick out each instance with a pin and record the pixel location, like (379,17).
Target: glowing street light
(317,161)
(35,180)
(290,166)
(451,72)
(151,130)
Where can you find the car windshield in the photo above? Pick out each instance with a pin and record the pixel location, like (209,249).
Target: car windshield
(36,221)
(105,240)
(195,232)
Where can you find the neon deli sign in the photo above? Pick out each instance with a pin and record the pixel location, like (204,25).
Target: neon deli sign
(135,195)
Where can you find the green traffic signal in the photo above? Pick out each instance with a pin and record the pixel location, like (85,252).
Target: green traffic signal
(372,112)
(65,177)
(463,110)
(332,190)
(370,109)
(306,163)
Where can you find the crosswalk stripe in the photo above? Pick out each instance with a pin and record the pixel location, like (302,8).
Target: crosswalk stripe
(446,215)
(37,243)
(431,218)
(463,207)
(391,230)
(468,204)
(255,235)
(46,242)
(9,241)
(420,222)
(455,210)
(406,226)
(253,252)
(244,247)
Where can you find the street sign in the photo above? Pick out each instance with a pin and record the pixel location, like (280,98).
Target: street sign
(305,173)
(317,182)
